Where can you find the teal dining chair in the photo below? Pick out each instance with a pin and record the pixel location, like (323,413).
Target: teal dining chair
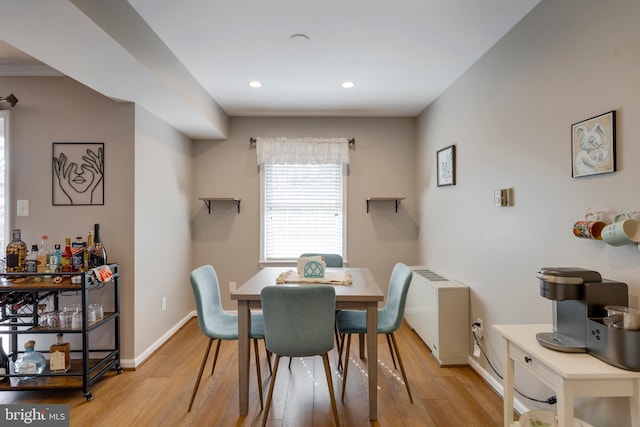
(217,324)
(335,261)
(298,322)
(389,320)
(331,260)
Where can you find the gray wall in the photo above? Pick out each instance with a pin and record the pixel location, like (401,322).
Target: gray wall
(510,117)
(382,164)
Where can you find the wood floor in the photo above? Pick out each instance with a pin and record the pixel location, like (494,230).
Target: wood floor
(158,392)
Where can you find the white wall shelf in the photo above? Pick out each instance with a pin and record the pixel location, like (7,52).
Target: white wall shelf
(207,201)
(397,200)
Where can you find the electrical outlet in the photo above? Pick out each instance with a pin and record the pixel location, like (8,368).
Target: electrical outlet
(163,304)
(501,197)
(232,286)
(479,328)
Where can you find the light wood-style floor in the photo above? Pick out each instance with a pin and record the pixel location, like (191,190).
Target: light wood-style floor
(158,392)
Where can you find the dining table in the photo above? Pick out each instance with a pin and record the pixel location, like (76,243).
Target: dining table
(363,293)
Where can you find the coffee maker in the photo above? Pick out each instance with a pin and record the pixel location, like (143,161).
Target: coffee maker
(579,297)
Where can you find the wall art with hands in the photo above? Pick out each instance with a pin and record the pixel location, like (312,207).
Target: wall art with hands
(78,173)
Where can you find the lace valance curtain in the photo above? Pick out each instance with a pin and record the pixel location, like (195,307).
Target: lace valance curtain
(302,150)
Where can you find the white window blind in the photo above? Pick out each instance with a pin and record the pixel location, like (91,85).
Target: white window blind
(303,210)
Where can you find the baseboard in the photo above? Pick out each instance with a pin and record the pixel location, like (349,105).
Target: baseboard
(496,385)
(134,363)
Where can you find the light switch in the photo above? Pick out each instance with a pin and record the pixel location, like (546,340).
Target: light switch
(23,208)
(501,197)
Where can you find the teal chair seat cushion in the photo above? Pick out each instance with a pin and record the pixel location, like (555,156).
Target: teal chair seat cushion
(355,322)
(225,326)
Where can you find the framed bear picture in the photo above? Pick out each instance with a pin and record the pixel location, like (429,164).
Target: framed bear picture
(593,145)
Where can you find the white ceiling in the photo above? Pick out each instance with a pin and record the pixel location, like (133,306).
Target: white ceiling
(189,62)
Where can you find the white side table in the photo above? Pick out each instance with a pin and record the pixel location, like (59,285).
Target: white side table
(570,375)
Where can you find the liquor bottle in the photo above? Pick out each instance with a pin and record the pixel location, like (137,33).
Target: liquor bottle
(30,362)
(43,253)
(16,254)
(67,266)
(4,363)
(88,249)
(55,259)
(31,265)
(77,254)
(60,356)
(99,251)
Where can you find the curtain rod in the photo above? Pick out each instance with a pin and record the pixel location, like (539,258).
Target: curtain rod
(252,142)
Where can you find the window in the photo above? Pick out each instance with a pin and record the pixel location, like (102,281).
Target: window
(303,210)
(5,196)
(303,193)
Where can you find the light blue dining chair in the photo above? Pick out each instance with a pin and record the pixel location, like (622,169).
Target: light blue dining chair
(217,324)
(389,320)
(298,322)
(336,261)
(331,260)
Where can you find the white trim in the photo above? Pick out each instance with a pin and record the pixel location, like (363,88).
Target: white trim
(496,385)
(8,208)
(134,363)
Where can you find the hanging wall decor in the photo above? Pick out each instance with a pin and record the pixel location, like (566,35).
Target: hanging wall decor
(446,166)
(593,145)
(78,174)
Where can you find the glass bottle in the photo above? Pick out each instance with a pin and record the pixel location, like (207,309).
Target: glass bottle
(4,363)
(67,266)
(88,250)
(30,362)
(31,265)
(43,253)
(60,356)
(77,254)
(99,251)
(55,259)
(16,254)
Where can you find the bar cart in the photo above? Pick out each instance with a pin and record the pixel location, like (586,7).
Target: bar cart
(21,297)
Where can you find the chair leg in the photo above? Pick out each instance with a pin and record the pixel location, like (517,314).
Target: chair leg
(270,393)
(338,345)
(327,372)
(391,351)
(204,362)
(258,372)
(346,365)
(404,375)
(290,362)
(215,357)
(268,359)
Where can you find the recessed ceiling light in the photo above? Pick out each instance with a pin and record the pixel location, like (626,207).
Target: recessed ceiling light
(255,83)
(348,85)
(300,38)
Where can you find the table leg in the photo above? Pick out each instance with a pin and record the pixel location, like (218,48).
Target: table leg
(372,358)
(244,325)
(508,387)
(634,404)
(565,404)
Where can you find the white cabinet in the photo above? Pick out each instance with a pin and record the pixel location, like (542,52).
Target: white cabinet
(438,310)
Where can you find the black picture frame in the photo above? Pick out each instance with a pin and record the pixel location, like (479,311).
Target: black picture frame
(593,145)
(446,166)
(77,174)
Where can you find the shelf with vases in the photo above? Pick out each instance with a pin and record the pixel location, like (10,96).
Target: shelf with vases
(208,200)
(397,201)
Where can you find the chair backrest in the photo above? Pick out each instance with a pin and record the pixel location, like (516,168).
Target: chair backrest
(206,291)
(298,320)
(392,313)
(331,260)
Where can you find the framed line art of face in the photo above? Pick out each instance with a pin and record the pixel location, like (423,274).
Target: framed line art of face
(78,174)
(446,166)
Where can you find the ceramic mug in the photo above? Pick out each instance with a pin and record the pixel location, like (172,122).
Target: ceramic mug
(622,231)
(588,229)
